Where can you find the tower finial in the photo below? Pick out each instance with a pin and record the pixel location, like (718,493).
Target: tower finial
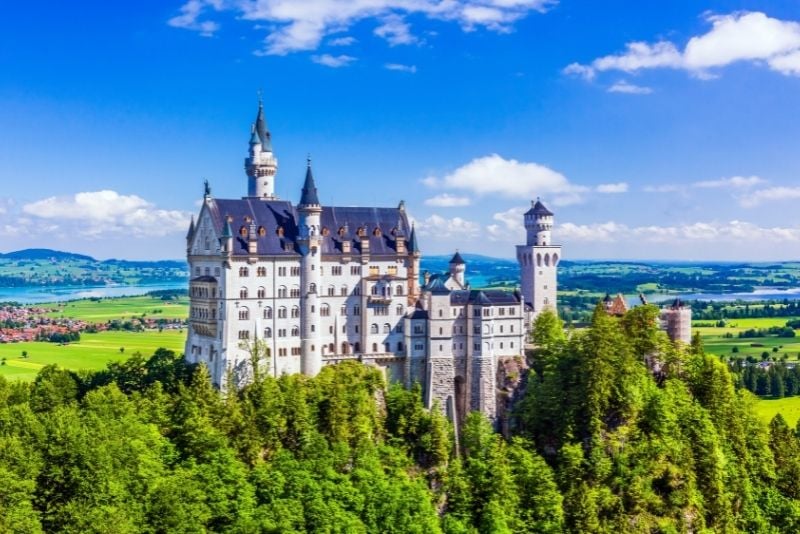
(308,159)
(206,189)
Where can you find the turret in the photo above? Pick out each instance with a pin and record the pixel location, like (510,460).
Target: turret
(457,269)
(538,224)
(226,239)
(413,266)
(190,235)
(261,165)
(310,241)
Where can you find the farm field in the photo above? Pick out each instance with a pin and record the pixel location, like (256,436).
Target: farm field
(92,352)
(102,310)
(788,407)
(715,341)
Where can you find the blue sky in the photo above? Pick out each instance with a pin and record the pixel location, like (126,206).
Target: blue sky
(654,130)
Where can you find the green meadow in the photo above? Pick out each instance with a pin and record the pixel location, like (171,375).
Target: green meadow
(788,407)
(92,352)
(102,310)
(715,341)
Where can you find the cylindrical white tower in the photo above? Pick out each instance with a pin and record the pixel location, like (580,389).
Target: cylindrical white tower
(457,269)
(310,241)
(261,165)
(538,224)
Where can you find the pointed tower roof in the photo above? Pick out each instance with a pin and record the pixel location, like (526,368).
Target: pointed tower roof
(190,233)
(413,247)
(457,259)
(226,230)
(539,209)
(309,195)
(254,140)
(261,128)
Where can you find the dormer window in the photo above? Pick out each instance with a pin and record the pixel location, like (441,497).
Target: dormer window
(279,231)
(377,232)
(325,231)
(361,232)
(243,231)
(341,231)
(262,231)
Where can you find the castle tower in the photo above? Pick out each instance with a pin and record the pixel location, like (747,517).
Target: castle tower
(261,165)
(457,269)
(414,255)
(310,244)
(538,259)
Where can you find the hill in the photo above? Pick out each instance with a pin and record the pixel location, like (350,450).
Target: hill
(44,254)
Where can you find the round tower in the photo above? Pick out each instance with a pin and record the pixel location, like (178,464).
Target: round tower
(538,224)
(414,256)
(310,242)
(261,165)
(457,269)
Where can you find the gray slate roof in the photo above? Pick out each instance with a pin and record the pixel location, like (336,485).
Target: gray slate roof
(274,214)
(539,209)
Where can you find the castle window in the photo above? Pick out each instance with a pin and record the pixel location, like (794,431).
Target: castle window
(244,314)
(512,344)
(512,311)
(476,347)
(281,313)
(441,331)
(243,231)
(243,293)
(547,260)
(312,288)
(539,261)
(324,310)
(295,292)
(357,310)
(387,347)
(261,292)
(325,231)
(501,344)
(399,328)
(279,231)
(441,312)
(336,270)
(387,329)
(512,328)
(197,271)
(392,270)
(281,271)
(357,290)
(343,311)
(374,347)
(261,271)
(331,348)
(267,313)
(398,290)
(399,309)
(355,269)
(373,328)
(419,346)
(295,331)
(331,291)
(355,329)
(375,289)
(356,347)
(244,334)
(281,332)
(399,346)
(361,231)
(216,271)
(555,260)
(377,232)
(268,332)
(343,291)
(295,312)
(262,231)
(345,348)
(295,271)
(282,292)
(418,329)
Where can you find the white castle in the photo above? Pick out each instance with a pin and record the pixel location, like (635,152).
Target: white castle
(323,284)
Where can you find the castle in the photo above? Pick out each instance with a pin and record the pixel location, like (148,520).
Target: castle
(323,284)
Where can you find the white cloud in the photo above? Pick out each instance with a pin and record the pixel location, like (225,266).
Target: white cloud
(511,178)
(342,41)
(758,197)
(621,187)
(705,232)
(333,61)
(511,227)
(301,25)
(736,37)
(395,30)
(629,89)
(441,228)
(736,182)
(106,213)
(663,188)
(412,69)
(447,201)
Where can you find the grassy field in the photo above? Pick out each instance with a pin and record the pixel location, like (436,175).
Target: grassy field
(788,407)
(92,352)
(716,343)
(102,310)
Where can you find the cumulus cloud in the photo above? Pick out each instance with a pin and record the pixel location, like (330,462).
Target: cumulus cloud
(736,182)
(736,37)
(333,61)
(758,197)
(439,227)
(630,89)
(104,213)
(511,178)
(342,41)
(620,187)
(447,201)
(717,232)
(402,68)
(301,25)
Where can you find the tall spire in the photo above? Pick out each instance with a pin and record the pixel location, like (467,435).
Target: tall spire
(190,233)
(261,128)
(309,195)
(413,248)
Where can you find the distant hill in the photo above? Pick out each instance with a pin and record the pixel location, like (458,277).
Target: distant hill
(45,254)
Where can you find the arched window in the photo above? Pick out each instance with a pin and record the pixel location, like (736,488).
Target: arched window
(375,289)
(262,292)
(343,291)
(282,292)
(261,271)
(331,291)
(325,310)
(243,271)
(547,259)
(345,348)
(243,231)
(295,292)
(279,231)
(398,290)
(281,313)
(262,231)
(399,309)
(295,312)
(295,331)
(387,329)
(555,260)
(374,347)
(243,293)
(331,348)
(244,314)
(268,332)
(312,288)
(373,329)
(267,313)
(357,347)
(538,260)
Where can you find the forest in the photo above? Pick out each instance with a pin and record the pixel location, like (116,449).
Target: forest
(615,430)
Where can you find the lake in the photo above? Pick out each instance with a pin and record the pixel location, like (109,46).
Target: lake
(35,295)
